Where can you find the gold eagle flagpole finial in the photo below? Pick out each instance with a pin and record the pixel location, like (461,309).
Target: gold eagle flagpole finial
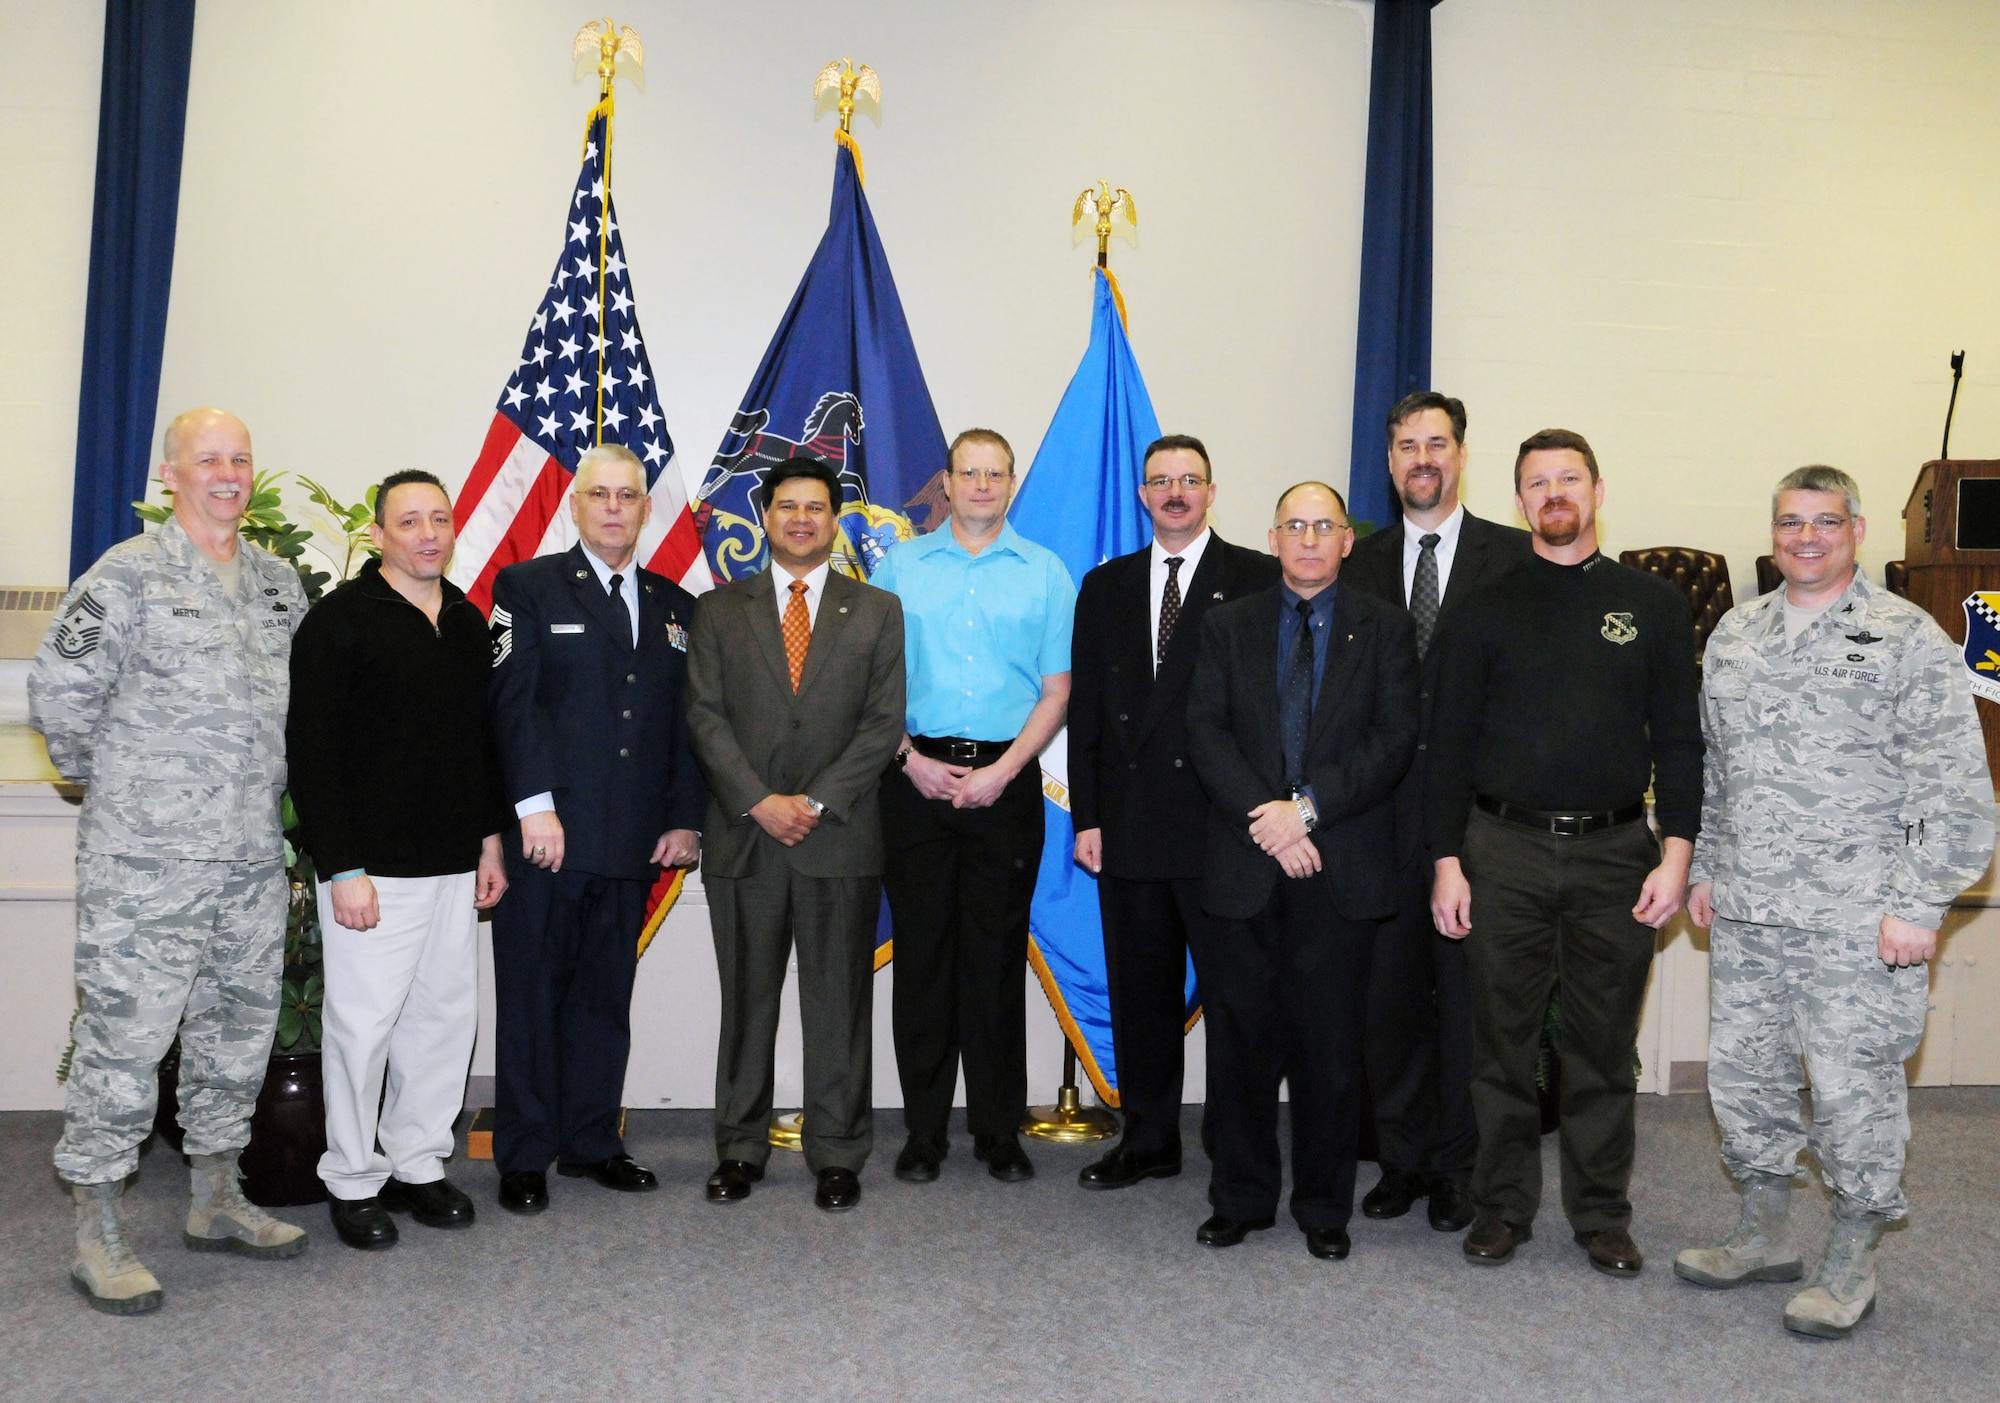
(1101,204)
(842,73)
(610,44)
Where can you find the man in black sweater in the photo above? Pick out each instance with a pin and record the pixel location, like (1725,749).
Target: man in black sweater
(397,784)
(1563,690)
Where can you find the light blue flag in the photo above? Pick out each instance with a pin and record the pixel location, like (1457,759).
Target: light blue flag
(1081,500)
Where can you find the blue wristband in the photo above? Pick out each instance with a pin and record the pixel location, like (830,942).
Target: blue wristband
(350,872)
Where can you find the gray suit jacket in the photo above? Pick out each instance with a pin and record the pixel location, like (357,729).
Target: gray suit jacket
(832,740)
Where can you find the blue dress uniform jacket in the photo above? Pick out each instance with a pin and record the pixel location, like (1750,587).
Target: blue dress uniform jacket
(581,714)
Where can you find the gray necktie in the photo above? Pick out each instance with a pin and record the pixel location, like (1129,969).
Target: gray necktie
(1424,592)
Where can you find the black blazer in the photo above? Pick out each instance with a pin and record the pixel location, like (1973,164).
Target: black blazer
(1364,731)
(1486,551)
(1129,770)
(582,714)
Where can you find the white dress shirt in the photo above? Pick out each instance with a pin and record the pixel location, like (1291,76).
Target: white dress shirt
(815,581)
(1156,585)
(628,590)
(1447,549)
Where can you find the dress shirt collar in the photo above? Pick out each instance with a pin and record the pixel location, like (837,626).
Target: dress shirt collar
(815,582)
(1190,557)
(1008,540)
(1447,534)
(628,584)
(1322,603)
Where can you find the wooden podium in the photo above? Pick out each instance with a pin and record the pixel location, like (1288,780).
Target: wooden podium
(1951,547)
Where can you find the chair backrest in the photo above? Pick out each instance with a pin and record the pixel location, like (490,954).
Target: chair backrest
(1896,575)
(1702,576)
(1768,577)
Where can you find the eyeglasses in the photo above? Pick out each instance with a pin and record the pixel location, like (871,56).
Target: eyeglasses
(1296,528)
(1187,481)
(1826,524)
(625,496)
(982,475)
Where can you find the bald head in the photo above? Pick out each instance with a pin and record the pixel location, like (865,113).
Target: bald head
(189,423)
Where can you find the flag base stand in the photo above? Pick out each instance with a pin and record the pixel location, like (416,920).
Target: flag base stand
(1069,1121)
(788,1132)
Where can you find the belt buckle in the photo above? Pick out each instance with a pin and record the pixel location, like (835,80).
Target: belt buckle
(1569,825)
(960,749)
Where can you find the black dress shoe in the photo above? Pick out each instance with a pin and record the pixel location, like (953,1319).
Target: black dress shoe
(524,1191)
(1451,1205)
(839,1190)
(1612,1251)
(362,1222)
(1227,1232)
(1003,1157)
(731,1181)
(437,1204)
(921,1156)
(618,1172)
(1121,1169)
(1393,1195)
(1493,1240)
(1328,1244)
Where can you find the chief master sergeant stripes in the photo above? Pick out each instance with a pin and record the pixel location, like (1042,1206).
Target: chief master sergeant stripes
(163,687)
(1847,803)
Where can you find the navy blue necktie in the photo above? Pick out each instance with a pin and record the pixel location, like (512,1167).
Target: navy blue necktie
(624,613)
(1295,703)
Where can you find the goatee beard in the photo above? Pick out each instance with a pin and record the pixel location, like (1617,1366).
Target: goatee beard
(1416,502)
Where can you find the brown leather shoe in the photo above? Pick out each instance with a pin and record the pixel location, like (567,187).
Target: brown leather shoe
(1612,1251)
(1493,1240)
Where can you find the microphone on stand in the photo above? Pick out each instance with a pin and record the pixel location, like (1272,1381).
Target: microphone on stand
(1957,370)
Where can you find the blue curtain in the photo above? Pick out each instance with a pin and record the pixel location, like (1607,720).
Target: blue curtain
(1393,341)
(142,113)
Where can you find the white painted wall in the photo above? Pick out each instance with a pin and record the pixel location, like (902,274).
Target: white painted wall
(1721,239)
(50,57)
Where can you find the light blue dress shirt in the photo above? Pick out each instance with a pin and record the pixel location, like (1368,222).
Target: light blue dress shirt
(979,631)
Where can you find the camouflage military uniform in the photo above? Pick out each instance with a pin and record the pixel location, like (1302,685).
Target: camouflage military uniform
(1846,779)
(165,694)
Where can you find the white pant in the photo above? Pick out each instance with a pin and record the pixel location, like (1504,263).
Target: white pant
(405,997)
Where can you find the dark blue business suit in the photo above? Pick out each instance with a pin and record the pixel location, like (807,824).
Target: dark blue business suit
(581,714)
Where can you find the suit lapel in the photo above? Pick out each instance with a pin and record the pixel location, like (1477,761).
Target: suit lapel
(835,601)
(1466,561)
(1211,578)
(1343,654)
(1261,639)
(760,600)
(1389,564)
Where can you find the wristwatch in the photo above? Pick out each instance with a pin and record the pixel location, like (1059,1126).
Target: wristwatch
(903,756)
(1307,811)
(815,805)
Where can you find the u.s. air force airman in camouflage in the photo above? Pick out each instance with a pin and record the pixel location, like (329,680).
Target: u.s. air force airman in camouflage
(162,687)
(1847,804)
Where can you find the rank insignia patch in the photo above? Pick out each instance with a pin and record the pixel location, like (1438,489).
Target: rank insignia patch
(81,629)
(503,635)
(1619,628)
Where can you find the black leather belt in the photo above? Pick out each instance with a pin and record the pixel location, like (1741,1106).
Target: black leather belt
(1570,825)
(960,752)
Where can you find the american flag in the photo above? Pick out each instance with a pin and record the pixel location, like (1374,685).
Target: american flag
(584,338)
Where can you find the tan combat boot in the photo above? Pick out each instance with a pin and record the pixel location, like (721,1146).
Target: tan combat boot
(1841,1293)
(220,1219)
(106,1273)
(1757,1250)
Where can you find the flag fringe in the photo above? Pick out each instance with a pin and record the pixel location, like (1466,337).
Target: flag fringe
(1105,1093)
(659,916)
(843,139)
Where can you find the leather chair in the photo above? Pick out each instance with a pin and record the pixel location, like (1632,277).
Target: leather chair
(1896,575)
(1702,576)
(1768,577)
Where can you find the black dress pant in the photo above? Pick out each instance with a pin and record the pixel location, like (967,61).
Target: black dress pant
(1146,939)
(565,951)
(1420,1039)
(959,882)
(1285,997)
(758,922)
(1545,906)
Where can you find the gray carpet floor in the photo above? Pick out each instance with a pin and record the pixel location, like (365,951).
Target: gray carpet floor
(970,1289)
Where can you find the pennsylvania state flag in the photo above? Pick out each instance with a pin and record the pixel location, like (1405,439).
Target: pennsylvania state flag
(839,382)
(1081,500)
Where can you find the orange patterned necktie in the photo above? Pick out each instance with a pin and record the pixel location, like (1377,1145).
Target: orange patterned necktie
(798,631)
